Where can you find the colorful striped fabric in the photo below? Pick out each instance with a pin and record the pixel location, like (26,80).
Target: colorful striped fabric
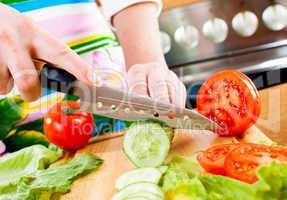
(81,25)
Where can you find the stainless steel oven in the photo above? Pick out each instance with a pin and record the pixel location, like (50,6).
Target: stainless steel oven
(205,37)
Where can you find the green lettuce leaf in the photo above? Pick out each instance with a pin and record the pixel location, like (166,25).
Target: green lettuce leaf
(180,183)
(45,183)
(24,162)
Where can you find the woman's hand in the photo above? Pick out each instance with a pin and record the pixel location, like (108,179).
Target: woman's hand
(21,41)
(158,82)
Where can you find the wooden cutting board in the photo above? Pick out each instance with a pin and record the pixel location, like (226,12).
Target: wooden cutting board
(99,185)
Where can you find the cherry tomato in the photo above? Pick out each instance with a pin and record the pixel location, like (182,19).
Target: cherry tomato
(231,100)
(67,127)
(242,162)
(212,159)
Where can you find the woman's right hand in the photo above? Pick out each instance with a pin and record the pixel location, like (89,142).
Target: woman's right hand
(21,41)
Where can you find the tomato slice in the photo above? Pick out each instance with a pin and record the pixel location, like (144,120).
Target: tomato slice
(231,100)
(242,162)
(212,159)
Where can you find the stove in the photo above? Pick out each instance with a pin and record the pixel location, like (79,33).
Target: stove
(260,51)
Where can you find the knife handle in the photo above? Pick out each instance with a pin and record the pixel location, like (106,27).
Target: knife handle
(56,79)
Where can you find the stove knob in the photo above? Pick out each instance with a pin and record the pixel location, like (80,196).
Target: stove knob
(245,23)
(216,30)
(275,17)
(165,42)
(187,36)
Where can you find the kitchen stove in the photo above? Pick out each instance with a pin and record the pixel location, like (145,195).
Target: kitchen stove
(262,56)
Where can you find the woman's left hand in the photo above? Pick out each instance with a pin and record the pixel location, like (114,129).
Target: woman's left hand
(158,82)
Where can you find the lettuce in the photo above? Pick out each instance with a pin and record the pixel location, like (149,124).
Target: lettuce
(24,162)
(43,183)
(272,184)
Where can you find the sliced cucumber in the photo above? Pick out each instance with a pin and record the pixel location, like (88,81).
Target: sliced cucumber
(146,144)
(142,175)
(139,188)
(145,195)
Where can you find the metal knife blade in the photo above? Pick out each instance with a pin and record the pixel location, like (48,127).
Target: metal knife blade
(117,104)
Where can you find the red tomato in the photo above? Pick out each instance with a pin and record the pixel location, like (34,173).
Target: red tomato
(231,100)
(67,127)
(241,163)
(212,159)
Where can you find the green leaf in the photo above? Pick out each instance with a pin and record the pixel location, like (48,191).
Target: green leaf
(12,110)
(55,180)
(24,162)
(182,183)
(22,139)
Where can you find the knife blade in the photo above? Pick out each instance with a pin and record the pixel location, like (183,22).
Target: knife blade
(114,103)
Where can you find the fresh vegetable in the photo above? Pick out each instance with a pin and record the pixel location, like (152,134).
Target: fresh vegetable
(142,175)
(242,162)
(148,190)
(66,126)
(180,169)
(43,184)
(22,139)
(24,162)
(271,184)
(231,100)
(146,144)
(212,159)
(12,110)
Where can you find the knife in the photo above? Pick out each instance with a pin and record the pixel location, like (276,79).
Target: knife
(114,103)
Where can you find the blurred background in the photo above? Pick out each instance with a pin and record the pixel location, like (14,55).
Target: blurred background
(201,37)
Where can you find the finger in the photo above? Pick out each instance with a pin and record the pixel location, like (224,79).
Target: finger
(23,71)
(137,80)
(176,89)
(157,85)
(53,51)
(6,82)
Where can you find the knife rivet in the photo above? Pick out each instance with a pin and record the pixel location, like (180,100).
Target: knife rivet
(171,115)
(186,117)
(156,114)
(127,110)
(113,107)
(99,104)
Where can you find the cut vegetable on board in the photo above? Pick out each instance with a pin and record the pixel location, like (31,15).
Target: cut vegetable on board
(147,144)
(230,99)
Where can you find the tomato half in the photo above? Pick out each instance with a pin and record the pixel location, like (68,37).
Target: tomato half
(231,100)
(242,162)
(66,126)
(212,159)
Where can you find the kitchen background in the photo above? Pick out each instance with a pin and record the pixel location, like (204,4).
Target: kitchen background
(201,37)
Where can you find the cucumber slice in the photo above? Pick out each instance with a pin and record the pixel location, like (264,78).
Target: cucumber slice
(148,175)
(146,144)
(145,195)
(139,188)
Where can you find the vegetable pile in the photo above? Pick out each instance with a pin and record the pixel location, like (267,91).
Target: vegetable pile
(223,172)
(27,157)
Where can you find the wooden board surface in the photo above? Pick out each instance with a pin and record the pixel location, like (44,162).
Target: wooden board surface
(99,185)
